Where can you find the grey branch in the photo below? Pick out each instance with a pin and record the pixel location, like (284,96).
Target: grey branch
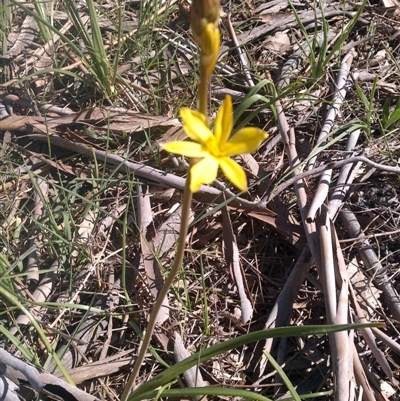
(14,370)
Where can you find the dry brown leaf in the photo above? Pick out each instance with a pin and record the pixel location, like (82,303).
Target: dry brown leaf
(17,123)
(193,377)
(279,43)
(118,121)
(148,260)
(293,233)
(43,63)
(28,33)
(364,288)
(273,16)
(90,371)
(167,234)
(251,163)
(391,3)
(231,253)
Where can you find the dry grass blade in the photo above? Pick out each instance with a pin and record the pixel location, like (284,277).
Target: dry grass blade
(41,294)
(38,213)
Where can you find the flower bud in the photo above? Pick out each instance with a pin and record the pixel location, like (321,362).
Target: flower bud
(209,48)
(203,13)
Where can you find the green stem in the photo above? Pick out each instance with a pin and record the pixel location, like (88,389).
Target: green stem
(203,91)
(185,215)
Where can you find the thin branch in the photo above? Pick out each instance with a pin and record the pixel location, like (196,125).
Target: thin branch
(39,380)
(323,167)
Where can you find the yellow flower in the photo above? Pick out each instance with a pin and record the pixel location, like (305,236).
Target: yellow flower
(215,148)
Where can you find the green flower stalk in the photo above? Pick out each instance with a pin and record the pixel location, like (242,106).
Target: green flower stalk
(213,148)
(185,216)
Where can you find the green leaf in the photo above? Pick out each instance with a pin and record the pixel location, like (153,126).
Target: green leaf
(205,354)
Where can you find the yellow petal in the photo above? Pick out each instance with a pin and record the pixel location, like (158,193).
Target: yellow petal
(203,172)
(246,140)
(195,125)
(184,148)
(233,172)
(224,122)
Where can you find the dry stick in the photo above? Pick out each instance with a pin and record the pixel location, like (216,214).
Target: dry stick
(193,377)
(41,294)
(350,362)
(338,341)
(371,261)
(40,381)
(375,236)
(394,345)
(342,86)
(206,194)
(320,169)
(306,17)
(242,55)
(280,313)
(343,340)
(328,268)
(369,337)
(289,140)
(320,194)
(346,177)
(361,378)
